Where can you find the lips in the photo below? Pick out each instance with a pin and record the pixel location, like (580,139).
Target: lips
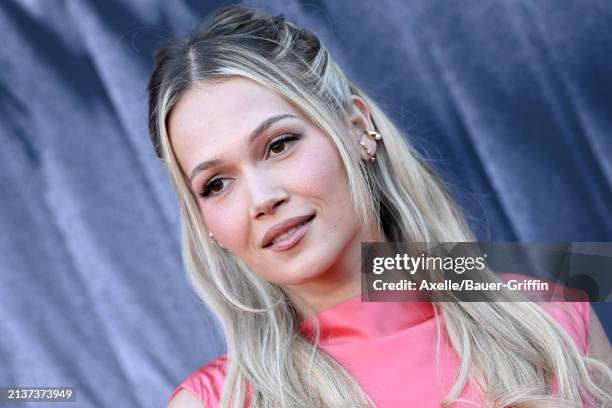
(283,227)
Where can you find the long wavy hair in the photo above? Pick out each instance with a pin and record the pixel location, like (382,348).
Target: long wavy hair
(527,354)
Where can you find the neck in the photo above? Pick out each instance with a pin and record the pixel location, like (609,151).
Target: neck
(340,282)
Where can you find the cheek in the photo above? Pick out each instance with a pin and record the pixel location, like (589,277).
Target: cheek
(323,177)
(316,173)
(319,171)
(227,222)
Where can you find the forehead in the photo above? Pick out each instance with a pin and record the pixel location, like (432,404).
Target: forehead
(227,110)
(223,106)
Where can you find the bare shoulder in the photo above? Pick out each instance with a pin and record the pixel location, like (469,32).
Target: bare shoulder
(185,399)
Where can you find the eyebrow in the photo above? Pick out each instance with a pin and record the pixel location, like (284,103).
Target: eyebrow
(252,137)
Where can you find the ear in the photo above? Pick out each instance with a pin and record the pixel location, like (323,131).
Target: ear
(360,119)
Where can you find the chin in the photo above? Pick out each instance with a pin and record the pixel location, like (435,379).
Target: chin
(299,277)
(299,274)
(318,268)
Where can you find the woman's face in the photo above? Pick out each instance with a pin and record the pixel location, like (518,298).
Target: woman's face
(254,162)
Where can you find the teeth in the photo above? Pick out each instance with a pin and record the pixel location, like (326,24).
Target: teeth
(283,235)
(286,234)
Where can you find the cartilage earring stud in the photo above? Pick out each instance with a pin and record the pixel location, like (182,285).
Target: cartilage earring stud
(210,234)
(374,134)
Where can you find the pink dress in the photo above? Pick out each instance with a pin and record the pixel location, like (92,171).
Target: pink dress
(390,347)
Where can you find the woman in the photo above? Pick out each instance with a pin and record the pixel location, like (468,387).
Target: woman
(283,166)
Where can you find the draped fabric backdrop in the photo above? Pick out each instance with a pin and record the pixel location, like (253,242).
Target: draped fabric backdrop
(509,99)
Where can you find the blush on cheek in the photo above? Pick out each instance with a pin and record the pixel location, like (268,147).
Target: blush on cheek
(226,225)
(317,171)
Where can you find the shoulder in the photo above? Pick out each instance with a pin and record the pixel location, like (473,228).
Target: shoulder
(203,386)
(574,317)
(581,322)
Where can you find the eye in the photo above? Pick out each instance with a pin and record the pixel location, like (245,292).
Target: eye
(278,145)
(214,186)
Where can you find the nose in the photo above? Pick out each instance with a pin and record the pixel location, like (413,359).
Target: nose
(267,196)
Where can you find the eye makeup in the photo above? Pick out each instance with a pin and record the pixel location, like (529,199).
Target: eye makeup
(215,185)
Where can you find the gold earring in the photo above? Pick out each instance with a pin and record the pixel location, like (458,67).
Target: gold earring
(376,137)
(363,144)
(374,134)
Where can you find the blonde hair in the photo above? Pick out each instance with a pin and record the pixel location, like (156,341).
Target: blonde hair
(400,195)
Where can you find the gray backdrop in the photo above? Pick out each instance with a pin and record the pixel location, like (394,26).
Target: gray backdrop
(509,99)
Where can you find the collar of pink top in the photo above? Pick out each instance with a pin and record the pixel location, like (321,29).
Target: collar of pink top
(356,320)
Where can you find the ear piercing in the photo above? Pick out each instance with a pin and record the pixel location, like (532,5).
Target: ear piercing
(363,144)
(210,234)
(374,135)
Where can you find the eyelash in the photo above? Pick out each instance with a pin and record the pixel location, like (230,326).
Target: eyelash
(205,191)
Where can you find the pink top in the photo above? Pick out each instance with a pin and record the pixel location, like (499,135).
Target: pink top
(390,348)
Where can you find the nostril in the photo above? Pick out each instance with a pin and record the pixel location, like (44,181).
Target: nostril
(279,202)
